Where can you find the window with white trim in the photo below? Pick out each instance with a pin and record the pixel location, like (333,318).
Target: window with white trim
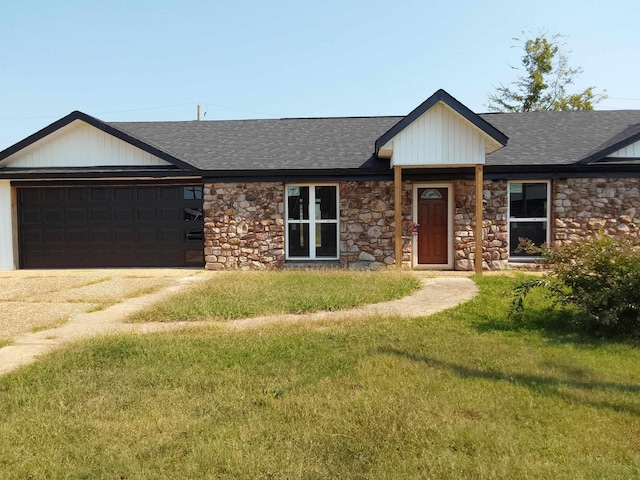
(312,222)
(528,216)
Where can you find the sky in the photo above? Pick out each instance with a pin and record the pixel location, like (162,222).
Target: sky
(151,60)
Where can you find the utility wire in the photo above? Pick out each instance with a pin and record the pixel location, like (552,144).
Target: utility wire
(240,110)
(144,109)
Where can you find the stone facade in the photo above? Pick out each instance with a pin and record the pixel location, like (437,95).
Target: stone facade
(580,208)
(244,225)
(367,224)
(494,225)
(583,207)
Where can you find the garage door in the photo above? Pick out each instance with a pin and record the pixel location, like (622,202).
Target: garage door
(128,226)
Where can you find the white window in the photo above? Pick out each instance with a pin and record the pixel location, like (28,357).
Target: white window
(312,222)
(528,216)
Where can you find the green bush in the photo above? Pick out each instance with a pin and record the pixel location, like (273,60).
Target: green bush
(600,278)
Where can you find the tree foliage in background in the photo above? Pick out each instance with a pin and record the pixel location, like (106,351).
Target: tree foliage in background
(598,279)
(544,81)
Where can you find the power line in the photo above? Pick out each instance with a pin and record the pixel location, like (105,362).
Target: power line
(147,108)
(142,109)
(241,110)
(102,113)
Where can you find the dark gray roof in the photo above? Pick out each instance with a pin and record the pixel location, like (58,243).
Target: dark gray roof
(337,144)
(285,144)
(560,138)
(535,138)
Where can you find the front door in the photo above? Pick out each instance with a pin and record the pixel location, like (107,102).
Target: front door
(433,226)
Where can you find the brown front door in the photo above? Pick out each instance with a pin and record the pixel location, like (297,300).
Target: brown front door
(433,226)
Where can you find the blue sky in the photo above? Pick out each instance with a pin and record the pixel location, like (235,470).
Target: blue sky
(126,60)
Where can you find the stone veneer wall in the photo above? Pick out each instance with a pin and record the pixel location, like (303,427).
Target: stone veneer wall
(244,225)
(494,225)
(583,207)
(580,208)
(367,224)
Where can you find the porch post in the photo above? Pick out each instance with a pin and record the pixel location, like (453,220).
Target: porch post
(479,176)
(397,187)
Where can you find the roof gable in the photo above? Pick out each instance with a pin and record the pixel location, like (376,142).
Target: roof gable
(630,151)
(79,140)
(495,136)
(625,144)
(563,138)
(339,145)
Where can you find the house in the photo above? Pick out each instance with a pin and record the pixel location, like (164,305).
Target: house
(362,192)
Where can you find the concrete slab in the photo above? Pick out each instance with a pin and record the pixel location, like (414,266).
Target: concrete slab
(32,300)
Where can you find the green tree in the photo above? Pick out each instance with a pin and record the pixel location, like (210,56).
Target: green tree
(544,81)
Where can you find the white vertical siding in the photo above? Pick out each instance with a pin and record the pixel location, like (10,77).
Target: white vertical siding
(630,151)
(6,231)
(81,145)
(439,137)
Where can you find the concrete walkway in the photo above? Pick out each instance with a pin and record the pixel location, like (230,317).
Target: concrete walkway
(437,294)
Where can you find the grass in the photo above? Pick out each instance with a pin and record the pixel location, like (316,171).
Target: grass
(232,295)
(96,281)
(5,341)
(97,307)
(461,394)
(55,324)
(104,304)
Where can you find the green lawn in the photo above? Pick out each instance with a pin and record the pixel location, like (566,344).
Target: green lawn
(230,295)
(461,394)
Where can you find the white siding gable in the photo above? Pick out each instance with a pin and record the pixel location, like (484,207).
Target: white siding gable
(81,145)
(6,230)
(630,151)
(439,137)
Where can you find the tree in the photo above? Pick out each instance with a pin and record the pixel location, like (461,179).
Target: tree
(544,81)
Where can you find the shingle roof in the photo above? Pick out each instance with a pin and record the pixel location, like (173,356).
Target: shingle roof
(287,144)
(303,144)
(535,138)
(559,138)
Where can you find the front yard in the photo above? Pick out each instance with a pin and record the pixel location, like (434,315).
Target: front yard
(460,394)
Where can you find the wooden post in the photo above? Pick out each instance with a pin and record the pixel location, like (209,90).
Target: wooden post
(478,230)
(397,186)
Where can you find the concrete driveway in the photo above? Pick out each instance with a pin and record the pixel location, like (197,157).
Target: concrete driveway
(35,300)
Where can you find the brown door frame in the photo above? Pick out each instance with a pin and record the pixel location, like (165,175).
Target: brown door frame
(414,239)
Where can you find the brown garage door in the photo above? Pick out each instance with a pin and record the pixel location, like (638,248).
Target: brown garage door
(124,226)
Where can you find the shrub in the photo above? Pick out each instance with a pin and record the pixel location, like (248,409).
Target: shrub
(600,277)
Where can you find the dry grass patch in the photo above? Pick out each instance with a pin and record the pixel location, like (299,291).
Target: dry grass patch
(32,304)
(17,318)
(104,291)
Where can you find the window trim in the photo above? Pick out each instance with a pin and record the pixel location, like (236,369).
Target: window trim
(547,220)
(312,221)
